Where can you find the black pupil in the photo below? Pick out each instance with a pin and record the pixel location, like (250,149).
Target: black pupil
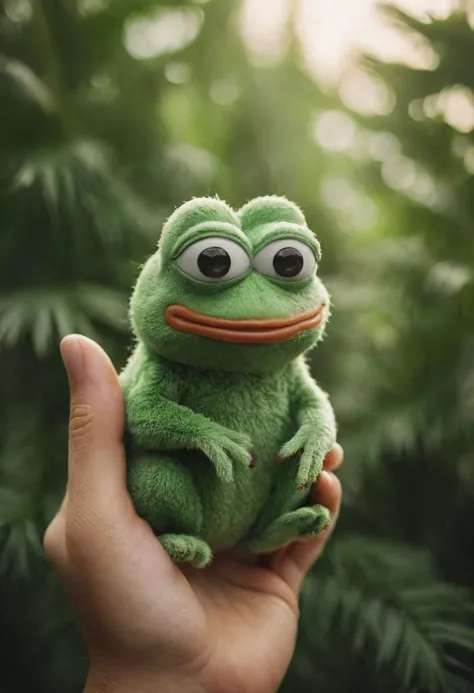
(214,262)
(288,262)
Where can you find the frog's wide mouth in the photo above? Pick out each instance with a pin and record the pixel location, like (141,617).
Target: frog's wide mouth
(255,331)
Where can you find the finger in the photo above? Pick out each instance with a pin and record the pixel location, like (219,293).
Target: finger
(293,445)
(222,464)
(327,491)
(96,466)
(293,563)
(317,464)
(304,477)
(54,542)
(239,454)
(334,458)
(62,508)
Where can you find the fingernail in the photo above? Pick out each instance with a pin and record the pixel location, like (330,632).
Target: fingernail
(281,458)
(73,359)
(253,461)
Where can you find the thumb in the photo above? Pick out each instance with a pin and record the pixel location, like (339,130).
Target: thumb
(96,465)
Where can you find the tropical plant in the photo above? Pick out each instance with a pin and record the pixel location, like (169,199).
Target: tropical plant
(114,111)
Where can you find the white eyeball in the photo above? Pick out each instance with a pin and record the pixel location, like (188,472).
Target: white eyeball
(287,259)
(214,259)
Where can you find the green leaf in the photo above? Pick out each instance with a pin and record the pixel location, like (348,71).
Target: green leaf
(386,600)
(49,314)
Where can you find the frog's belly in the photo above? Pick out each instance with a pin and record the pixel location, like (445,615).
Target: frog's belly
(230,509)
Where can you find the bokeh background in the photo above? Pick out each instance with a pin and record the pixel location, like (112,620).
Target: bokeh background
(112,112)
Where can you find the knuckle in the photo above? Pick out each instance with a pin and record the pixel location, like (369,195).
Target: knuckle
(52,540)
(81,532)
(49,539)
(77,541)
(81,421)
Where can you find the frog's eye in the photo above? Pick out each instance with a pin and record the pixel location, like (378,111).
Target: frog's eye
(286,259)
(214,260)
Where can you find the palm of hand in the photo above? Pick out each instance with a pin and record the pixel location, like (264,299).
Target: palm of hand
(246,621)
(231,626)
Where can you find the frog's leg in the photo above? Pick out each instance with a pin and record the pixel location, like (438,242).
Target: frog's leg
(297,525)
(283,520)
(166,497)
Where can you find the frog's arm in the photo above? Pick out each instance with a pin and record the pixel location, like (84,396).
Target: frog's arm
(314,416)
(156,420)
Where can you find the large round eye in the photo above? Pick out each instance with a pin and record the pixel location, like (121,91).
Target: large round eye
(214,260)
(286,259)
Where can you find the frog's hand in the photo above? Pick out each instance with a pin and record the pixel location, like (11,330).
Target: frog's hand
(313,447)
(317,432)
(170,426)
(294,445)
(225,449)
(156,421)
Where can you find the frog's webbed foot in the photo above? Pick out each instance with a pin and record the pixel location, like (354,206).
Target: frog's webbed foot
(298,525)
(183,548)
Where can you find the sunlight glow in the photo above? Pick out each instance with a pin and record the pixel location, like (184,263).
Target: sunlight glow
(177,72)
(18,10)
(357,211)
(384,146)
(456,105)
(469,161)
(400,173)
(335,131)
(103,88)
(86,7)
(424,9)
(262,26)
(224,92)
(163,32)
(332,32)
(365,94)
(405,175)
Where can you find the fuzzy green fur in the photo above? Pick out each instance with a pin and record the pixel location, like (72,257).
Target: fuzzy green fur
(198,409)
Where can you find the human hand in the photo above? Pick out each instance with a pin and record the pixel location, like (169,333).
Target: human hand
(149,625)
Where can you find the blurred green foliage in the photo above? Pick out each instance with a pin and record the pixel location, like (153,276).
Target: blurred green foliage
(101,136)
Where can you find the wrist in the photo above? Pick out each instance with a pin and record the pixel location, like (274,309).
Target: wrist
(100,681)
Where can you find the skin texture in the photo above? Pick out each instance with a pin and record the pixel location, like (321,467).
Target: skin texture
(150,625)
(227,430)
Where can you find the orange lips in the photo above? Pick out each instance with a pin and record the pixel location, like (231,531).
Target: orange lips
(264,331)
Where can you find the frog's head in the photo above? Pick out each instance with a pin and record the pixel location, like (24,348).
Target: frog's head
(234,291)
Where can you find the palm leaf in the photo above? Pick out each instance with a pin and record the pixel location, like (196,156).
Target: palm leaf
(45,315)
(386,601)
(74,194)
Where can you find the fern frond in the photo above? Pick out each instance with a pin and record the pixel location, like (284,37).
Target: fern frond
(385,599)
(48,314)
(73,195)
(20,542)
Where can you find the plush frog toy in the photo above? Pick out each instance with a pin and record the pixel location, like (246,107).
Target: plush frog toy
(227,429)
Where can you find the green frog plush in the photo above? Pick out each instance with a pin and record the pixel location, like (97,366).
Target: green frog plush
(227,429)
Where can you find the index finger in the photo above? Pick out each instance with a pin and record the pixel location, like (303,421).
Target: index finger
(334,458)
